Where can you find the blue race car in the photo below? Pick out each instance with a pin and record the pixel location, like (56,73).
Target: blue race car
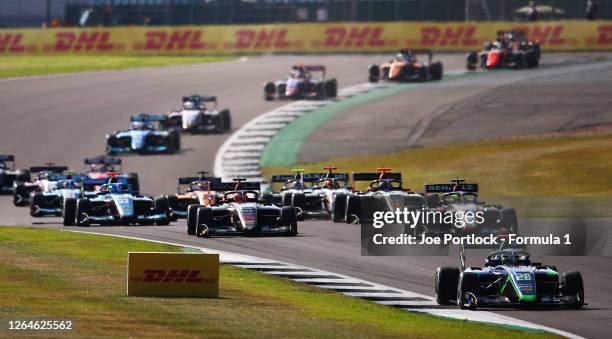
(147,134)
(508,278)
(9,176)
(116,204)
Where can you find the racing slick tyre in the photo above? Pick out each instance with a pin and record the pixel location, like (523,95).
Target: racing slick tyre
(111,141)
(331,88)
(192,216)
(82,212)
(531,59)
(423,74)
(69,211)
(287,198)
(509,220)
(22,176)
(339,208)
(467,290)
(471,63)
(227,119)
(162,206)
(20,195)
(298,200)
(436,70)
(267,198)
(203,221)
(353,209)
(373,73)
(571,285)
(132,179)
(35,204)
(319,89)
(289,218)
(173,203)
(269,91)
(176,140)
(446,280)
(219,125)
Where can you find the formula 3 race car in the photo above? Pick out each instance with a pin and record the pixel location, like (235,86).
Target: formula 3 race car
(191,193)
(49,201)
(509,278)
(511,50)
(147,134)
(461,197)
(42,182)
(9,176)
(104,167)
(385,193)
(302,85)
(115,204)
(405,67)
(312,194)
(242,213)
(195,117)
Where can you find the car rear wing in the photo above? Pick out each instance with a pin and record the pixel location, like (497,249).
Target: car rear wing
(200,98)
(73,177)
(145,117)
(283,178)
(189,180)
(102,160)
(320,176)
(446,188)
(7,157)
(376,176)
(234,186)
(52,169)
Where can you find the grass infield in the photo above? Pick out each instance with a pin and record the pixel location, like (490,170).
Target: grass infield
(51,274)
(32,65)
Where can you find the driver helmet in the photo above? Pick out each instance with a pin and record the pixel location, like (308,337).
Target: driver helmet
(296,185)
(457,188)
(104,189)
(203,186)
(138,125)
(237,197)
(383,185)
(188,105)
(329,184)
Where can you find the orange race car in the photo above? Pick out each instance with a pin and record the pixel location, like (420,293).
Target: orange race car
(405,67)
(193,191)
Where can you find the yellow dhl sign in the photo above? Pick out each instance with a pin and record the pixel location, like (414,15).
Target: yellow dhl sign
(302,38)
(156,274)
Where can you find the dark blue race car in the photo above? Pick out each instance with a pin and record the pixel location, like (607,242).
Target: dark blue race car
(146,134)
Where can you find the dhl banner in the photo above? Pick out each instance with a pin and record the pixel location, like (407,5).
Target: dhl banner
(302,38)
(157,274)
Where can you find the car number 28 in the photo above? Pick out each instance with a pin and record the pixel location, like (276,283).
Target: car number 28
(522,276)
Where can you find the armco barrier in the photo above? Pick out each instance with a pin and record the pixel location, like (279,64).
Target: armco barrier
(302,38)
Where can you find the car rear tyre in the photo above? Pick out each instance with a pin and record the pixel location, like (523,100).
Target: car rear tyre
(83,211)
(132,179)
(20,195)
(289,218)
(203,222)
(192,216)
(339,208)
(353,209)
(269,91)
(446,281)
(35,204)
(373,73)
(69,211)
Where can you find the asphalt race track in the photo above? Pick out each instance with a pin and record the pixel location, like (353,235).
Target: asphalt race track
(65,118)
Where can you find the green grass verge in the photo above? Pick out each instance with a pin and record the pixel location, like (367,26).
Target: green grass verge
(29,65)
(557,175)
(55,274)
